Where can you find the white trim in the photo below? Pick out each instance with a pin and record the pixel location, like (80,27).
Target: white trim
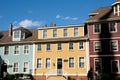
(46,63)
(33,61)
(116,43)
(64,74)
(105,38)
(94,46)
(87,55)
(94,28)
(114,26)
(105,55)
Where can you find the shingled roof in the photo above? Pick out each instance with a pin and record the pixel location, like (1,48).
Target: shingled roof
(103,14)
(6,39)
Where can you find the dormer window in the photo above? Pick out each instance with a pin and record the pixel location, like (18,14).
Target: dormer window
(116,7)
(20,34)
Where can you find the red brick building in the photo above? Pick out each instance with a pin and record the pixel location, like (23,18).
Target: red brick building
(103,29)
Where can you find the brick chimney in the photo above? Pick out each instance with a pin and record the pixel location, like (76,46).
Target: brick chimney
(10,29)
(45,25)
(52,25)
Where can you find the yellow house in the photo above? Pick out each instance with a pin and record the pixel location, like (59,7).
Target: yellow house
(61,53)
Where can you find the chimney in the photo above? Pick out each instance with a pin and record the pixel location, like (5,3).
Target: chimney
(10,29)
(52,25)
(45,25)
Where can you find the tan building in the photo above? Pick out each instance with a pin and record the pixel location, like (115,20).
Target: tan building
(61,53)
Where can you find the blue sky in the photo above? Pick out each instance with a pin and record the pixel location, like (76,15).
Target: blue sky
(36,13)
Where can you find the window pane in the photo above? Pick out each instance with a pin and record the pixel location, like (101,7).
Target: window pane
(39,47)
(81,62)
(81,45)
(45,34)
(26,49)
(48,47)
(70,45)
(65,32)
(54,33)
(16,50)
(6,51)
(71,62)
(39,63)
(47,62)
(112,27)
(97,28)
(59,46)
(97,46)
(75,32)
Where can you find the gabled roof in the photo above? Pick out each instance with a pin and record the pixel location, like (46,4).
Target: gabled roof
(22,29)
(102,14)
(6,39)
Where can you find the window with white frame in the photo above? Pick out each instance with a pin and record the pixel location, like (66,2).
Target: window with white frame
(26,49)
(75,31)
(39,47)
(25,67)
(97,28)
(70,45)
(97,46)
(65,32)
(81,45)
(54,33)
(48,63)
(112,27)
(115,66)
(44,33)
(16,34)
(81,62)
(114,45)
(6,51)
(16,50)
(39,62)
(59,46)
(48,47)
(71,62)
(15,67)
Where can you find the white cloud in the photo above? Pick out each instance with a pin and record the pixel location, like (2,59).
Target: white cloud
(66,18)
(58,16)
(27,23)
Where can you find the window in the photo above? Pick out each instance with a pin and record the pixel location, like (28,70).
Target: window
(15,67)
(48,46)
(75,32)
(113,45)
(97,28)
(81,62)
(98,65)
(39,47)
(6,51)
(115,66)
(81,45)
(44,33)
(54,33)
(97,46)
(16,50)
(25,67)
(47,63)
(16,34)
(59,46)
(65,32)
(71,62)
(112,27)
(39,63)
(26,49)
(70,45)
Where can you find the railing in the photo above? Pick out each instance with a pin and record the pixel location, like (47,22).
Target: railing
(56,72)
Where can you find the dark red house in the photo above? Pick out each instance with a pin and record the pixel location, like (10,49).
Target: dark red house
(103,29)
